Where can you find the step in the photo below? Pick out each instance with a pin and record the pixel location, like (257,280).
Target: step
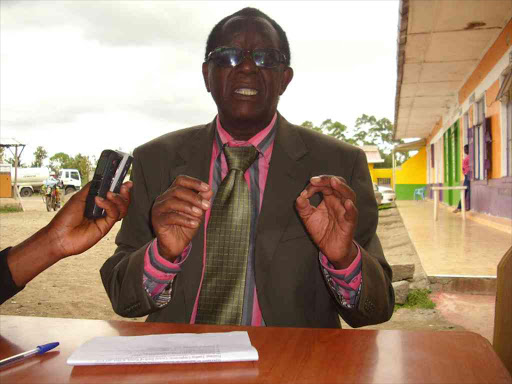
(475,285)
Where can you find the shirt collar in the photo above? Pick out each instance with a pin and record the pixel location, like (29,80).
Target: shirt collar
(225,137)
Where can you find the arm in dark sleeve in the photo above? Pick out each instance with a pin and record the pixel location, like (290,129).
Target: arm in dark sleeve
(7,286)
(376,299)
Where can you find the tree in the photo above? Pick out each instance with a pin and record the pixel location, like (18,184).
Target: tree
(368,130)
(380,133)
(81,162)
(40,154)
(20,164)
(2,152)
(84,166)
(336,129)
(59,161)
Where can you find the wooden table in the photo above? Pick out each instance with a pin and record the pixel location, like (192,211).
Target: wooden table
(462,190)
(287,355)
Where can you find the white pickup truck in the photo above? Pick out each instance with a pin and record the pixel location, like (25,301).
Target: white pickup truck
(71,180)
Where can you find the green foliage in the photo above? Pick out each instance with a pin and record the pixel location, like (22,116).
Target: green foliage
(20,164)
(59,161)
(40,154)
(2,153)
(417,298)
(81,162)
(84,166)
(368,130)
(10,209)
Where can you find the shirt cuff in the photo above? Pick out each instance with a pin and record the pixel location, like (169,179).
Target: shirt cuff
(345,283)
(159,273)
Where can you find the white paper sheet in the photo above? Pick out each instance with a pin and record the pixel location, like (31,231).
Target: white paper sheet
(166,349)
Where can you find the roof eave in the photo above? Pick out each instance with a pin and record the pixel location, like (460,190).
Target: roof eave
(403,21)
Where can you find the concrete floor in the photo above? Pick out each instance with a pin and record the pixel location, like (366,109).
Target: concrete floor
(453,247)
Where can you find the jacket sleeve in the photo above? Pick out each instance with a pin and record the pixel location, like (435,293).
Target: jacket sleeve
(7,286)
(377,299)
(122,273)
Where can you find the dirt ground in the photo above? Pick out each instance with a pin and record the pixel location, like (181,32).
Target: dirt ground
(72,288)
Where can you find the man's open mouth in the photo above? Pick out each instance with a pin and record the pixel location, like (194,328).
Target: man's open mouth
(246,91)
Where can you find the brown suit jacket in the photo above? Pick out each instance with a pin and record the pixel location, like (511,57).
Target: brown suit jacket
(291,288)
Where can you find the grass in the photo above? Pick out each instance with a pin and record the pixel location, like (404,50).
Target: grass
(10,209)
(417,298)
(385,206)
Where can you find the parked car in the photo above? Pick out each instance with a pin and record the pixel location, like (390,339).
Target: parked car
(388,194)
(378,195)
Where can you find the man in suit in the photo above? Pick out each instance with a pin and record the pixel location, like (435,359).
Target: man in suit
(313,251)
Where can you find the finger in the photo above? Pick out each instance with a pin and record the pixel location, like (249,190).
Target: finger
(120,201)
(351,212)
(325,190)
(304,208)
(81,195)
(339,184)
(176,218)
(191,183)
(185,194)
(180,206)
(207,195)
(325,179)
(125,190)
(111,210)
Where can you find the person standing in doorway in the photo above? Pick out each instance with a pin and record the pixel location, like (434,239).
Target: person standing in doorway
(467,173)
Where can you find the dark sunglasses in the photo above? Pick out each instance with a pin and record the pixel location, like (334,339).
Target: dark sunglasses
(231,57)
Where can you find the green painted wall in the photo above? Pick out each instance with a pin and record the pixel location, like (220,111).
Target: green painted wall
(406,191)
(451,163)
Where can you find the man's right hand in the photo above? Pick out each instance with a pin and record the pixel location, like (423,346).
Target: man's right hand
(177,214)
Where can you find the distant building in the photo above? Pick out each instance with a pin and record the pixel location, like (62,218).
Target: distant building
(373,157)
(454,87)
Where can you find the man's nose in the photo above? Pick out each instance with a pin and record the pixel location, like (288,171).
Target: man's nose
(247,64)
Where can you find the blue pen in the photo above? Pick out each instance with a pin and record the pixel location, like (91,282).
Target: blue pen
(25,355)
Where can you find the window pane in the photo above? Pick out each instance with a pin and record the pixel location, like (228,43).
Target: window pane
(74,175)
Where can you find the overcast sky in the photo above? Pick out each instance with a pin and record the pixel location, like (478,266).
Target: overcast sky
(83,76)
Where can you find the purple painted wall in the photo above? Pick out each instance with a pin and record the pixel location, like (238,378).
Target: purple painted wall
(430,193)
(493,196)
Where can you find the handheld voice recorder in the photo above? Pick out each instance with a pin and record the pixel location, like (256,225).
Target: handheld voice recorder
(108,176)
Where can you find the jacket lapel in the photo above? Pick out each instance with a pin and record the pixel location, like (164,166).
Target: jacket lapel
(287,177)
(195,155)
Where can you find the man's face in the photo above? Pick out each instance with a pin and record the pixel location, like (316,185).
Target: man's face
(247,93)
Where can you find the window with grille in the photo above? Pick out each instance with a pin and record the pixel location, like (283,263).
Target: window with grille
(383,181)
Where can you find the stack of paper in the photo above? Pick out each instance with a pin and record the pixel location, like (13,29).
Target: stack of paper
(165,349)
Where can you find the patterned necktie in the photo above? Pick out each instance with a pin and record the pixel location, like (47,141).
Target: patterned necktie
(227,244)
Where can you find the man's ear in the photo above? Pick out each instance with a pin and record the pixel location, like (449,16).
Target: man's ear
(205,76)
(285,80)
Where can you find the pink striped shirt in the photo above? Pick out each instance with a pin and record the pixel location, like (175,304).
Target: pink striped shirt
(159,272)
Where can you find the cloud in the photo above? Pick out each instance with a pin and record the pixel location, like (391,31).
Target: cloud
(45,114)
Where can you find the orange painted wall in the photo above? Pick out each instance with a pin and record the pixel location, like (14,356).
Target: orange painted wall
(492,56)
(492,110)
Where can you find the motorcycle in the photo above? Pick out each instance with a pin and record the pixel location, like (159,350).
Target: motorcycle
(51,198)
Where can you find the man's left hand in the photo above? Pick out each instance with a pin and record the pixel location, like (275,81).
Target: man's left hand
(333,223)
